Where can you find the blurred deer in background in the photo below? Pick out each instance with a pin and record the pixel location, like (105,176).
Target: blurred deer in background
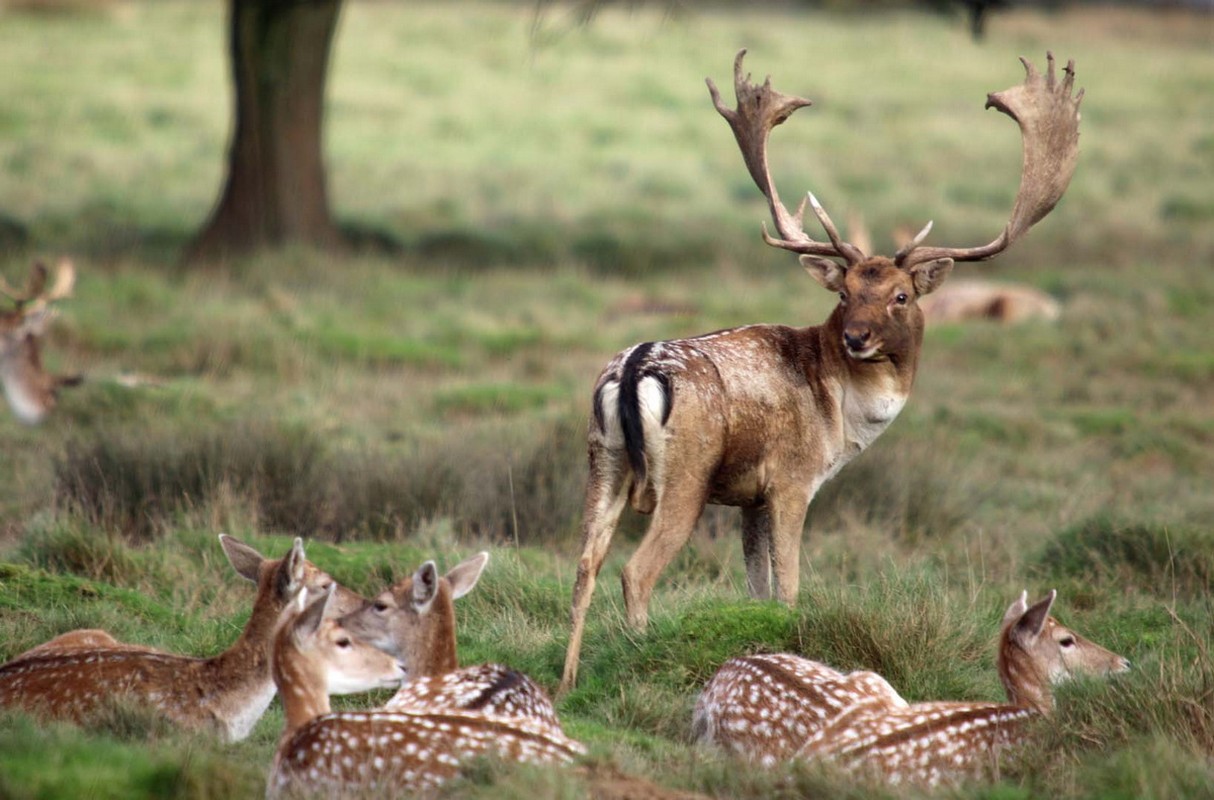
(769,708)
(760,416)
(31,390)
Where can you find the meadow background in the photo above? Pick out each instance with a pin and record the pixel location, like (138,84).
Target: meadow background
(528,203)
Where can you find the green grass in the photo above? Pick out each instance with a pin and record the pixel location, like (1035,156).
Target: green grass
(531,207)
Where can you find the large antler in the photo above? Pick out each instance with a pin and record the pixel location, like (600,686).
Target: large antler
(761,108)
(1049,124)
(35,285)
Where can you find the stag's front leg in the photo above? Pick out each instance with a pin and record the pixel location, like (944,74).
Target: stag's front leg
(756,550)
(788,508)
(679,507)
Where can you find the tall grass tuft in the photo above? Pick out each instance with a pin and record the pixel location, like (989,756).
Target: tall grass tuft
(285,479)
(1166,561)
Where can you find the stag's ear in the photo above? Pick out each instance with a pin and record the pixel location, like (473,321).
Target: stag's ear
(930,274)
(826,272)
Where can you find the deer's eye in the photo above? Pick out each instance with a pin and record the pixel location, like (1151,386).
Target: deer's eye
(1067,641)
(343,643)
(380,606)
(842,297)
(901,299)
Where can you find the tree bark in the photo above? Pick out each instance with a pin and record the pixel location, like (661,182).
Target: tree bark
(275,192)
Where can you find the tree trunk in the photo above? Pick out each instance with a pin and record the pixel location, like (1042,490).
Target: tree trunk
(275,189)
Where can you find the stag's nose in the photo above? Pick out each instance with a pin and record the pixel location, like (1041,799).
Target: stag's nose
(856,339)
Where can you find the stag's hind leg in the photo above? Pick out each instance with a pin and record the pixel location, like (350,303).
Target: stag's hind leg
(606,494)
(674,519)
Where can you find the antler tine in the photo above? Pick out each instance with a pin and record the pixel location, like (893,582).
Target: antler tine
(1048,117)
(34,285)
(65,281)
(913,243)
(761,108)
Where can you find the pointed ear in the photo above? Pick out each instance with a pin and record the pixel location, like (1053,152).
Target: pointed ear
(930,274)
(309,619)
(826,272)
(463,576)
(1033,621)
(291,570)
(1016,610)
(244,559)
(425,587)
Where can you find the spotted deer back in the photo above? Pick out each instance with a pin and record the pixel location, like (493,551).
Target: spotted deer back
(416,751)
(490,688)
(924,743)
(765,707)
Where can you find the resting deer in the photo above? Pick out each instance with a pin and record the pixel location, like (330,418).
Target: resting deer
(414,620)
(411,745)
(227,693)
(315,656)
(760,416)
(771,708)
(30,389)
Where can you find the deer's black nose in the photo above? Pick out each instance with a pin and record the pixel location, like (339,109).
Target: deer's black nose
(856,339)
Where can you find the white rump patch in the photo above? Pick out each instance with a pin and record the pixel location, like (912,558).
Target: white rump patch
(609,412)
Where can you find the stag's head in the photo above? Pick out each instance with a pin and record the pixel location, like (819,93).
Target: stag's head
(878,295)
(30,389)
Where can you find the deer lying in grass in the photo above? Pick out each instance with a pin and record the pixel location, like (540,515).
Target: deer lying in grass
(760,416)
(414,620)
(984,300)
(226,693)
(31,390)
(769,708)
(422,737)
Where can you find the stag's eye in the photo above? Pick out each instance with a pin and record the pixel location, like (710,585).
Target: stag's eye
(380,606)
(1067,641)
(842,297)
(343,643)
(901,299)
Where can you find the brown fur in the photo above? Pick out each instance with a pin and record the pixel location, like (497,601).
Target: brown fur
(225,693)
(769,708)
(415,621)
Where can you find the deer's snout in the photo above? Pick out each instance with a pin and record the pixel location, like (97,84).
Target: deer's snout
(857,338)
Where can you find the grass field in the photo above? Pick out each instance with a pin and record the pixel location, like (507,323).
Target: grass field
(538,204)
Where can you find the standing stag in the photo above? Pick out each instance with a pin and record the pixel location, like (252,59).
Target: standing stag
(769,708)
(760,416)
(31,390)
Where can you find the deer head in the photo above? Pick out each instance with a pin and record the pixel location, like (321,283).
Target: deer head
(1037,652)
(414,620)
(315,656)
(878,294)
(30,389)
